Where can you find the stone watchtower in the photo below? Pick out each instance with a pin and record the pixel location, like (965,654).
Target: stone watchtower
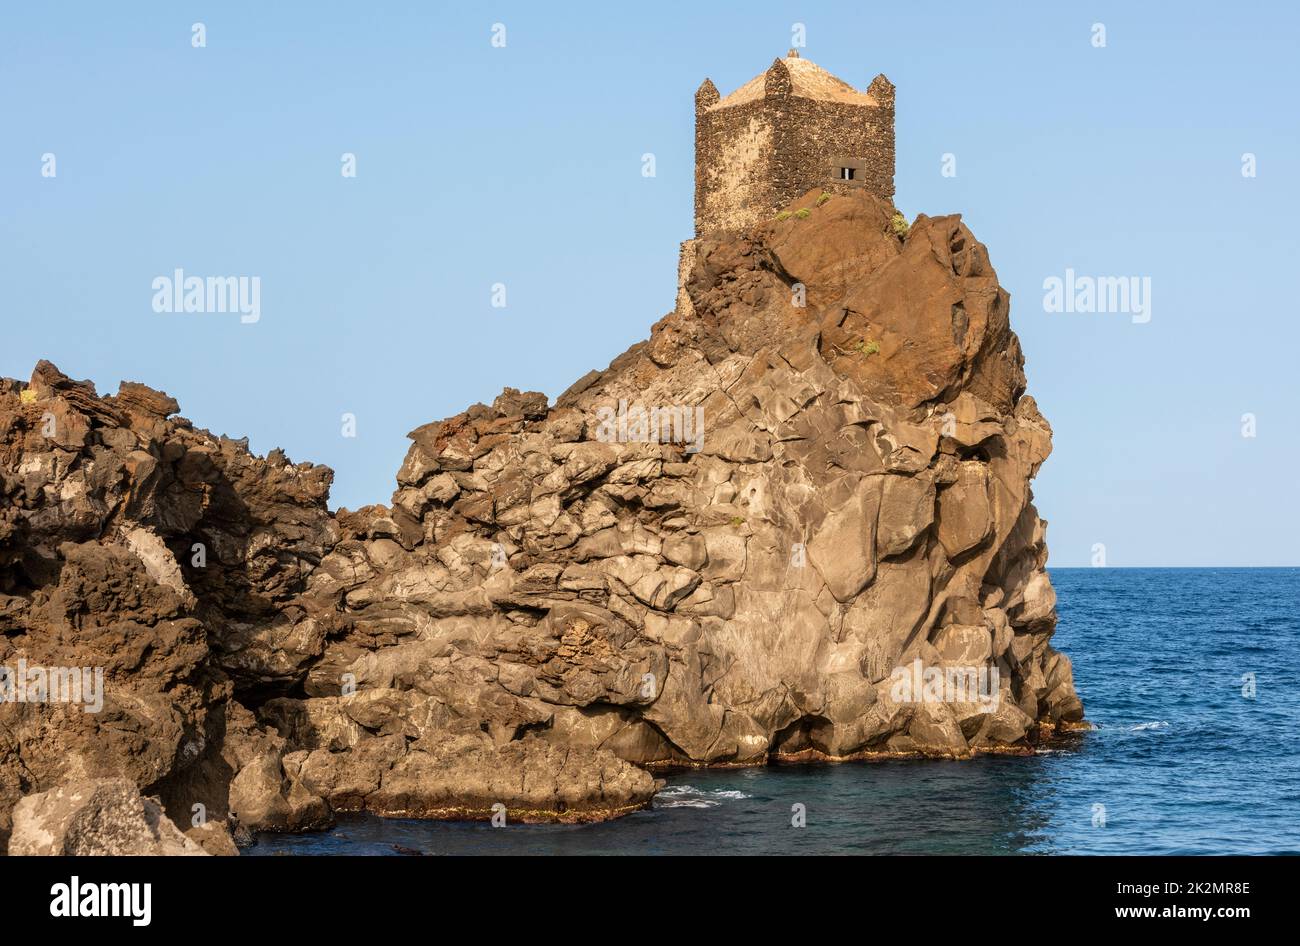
(793,128)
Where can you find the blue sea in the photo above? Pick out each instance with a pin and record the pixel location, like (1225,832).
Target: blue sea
(1184,760)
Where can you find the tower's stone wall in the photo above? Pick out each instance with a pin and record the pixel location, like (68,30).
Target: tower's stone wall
(815,139)
(776,142)
(734,156)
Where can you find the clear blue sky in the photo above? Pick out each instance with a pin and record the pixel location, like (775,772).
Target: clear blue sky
(522,165)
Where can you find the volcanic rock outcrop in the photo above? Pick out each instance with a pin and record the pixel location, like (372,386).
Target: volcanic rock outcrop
(100,817)
(719,550)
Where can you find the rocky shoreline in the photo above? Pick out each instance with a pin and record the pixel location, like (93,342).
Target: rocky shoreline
(718,551)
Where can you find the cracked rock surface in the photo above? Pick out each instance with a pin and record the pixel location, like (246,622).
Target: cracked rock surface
(558,599)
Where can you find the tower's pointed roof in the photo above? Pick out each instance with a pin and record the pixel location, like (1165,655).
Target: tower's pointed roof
(807,79)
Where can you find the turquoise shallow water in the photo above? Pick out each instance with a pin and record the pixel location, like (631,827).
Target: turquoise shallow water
(1181,761)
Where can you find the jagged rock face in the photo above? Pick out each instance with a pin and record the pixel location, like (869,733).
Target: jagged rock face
(172,564)
(104,817)
(859,500)
(233,535)
(557,595)
(166,557)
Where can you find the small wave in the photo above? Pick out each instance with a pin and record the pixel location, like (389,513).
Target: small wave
(687,803)
(1141,727)
(690,791)
(670,791)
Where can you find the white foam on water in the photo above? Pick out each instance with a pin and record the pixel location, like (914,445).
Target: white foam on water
(690,796)
(687,803)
